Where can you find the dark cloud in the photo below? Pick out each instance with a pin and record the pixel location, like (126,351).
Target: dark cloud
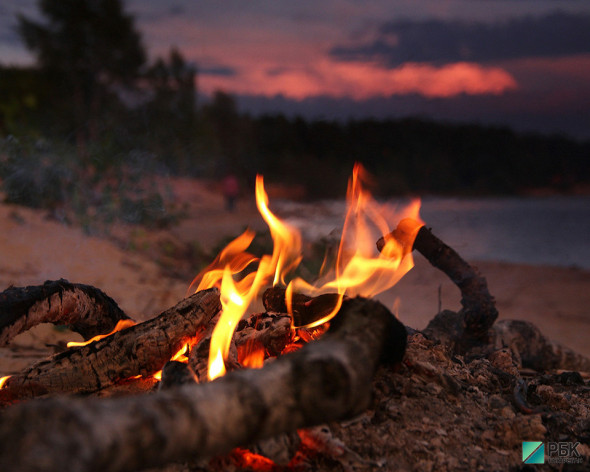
(438,41)
(219,71)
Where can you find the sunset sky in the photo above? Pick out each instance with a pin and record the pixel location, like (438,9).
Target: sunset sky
(522,63)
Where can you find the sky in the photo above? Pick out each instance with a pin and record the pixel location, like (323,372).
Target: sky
(518,63)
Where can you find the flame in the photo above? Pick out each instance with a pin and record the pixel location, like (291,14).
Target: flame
(3,380)
(121,324)
(251,355)
(180,356)
(359,270)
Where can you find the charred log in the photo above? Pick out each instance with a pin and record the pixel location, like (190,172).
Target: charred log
(175,374)
(326,380)
(139,350)
(83,308)
(478,312)
(306,310)
(270,331)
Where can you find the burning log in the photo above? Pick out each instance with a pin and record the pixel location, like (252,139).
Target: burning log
(326,380)
(306,309)
(472,329)
(85,309)
(479,310)
(140,350)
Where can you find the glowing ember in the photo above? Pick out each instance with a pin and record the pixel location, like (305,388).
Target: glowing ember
(3,380)
(121,324)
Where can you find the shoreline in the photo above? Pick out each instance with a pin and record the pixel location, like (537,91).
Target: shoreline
(34,248)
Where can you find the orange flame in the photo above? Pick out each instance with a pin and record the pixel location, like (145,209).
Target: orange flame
(180,356)
(3,380)
(359,270)
(236,296)
(121,324)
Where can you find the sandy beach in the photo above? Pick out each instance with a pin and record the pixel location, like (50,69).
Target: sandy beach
(35,248)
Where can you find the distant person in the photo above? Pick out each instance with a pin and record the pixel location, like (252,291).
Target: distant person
(231,190)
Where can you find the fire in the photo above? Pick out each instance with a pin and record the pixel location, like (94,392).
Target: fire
(180,356)
(359,270)
(121,324)
(236,296)
(3,380)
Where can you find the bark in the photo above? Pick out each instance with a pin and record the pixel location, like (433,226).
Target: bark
(327,380)
(85,309)
(270,331)
(478,306)
(139,350)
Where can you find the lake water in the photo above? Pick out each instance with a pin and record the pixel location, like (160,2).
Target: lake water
(534,230)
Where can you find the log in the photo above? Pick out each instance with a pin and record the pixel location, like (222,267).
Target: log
(478,311)
(326,380)
(306,309)
(139,350)
(83,308)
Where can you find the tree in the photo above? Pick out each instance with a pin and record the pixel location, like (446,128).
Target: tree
(86,48)
(171,113)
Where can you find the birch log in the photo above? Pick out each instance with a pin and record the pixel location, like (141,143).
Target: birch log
(142,349)
(84,308)
(326,380)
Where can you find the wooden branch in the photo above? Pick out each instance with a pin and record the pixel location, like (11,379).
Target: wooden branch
(327,380)
(142,349)
(479,309)
(85,309)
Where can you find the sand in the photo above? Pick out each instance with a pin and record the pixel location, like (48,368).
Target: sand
(35,248)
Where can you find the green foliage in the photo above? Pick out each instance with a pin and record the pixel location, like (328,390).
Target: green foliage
(43,175)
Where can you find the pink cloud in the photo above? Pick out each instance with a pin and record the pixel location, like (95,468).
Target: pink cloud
(364,80)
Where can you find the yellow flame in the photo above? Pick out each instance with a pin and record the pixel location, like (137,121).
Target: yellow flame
(121,324)
(3,380)
(286,254)
(359,270)
(180,356)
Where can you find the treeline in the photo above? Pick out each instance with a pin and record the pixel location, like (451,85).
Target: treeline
(93,108)
(172,134)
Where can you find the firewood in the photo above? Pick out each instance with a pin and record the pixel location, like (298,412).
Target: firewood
(175,374)
(478,311)
(85,309)
(326,380)
(270,331)
(306,309)
(139,350)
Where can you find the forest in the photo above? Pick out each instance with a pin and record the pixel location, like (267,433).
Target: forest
(94,108)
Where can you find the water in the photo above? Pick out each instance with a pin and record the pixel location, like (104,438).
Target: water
(533,230)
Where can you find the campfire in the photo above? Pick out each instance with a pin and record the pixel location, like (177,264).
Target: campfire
(213,382)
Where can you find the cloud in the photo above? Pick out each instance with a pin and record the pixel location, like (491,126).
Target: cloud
(440,42)
(217,71)
(361,81)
